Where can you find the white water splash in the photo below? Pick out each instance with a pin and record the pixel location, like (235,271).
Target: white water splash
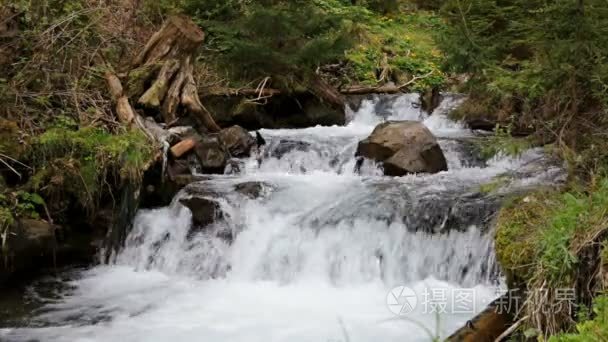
(313,260)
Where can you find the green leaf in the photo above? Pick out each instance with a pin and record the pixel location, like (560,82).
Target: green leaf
(36,199)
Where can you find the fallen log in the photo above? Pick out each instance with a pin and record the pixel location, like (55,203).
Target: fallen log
(182,147)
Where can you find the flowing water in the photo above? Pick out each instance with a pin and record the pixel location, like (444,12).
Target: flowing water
(313,258)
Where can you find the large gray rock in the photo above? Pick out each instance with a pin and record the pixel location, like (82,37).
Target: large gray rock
(403,147)
(212,154)
(237,140)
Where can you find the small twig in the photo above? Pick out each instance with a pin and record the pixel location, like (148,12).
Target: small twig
(511,329)
(416,78)
(10,167)
(14,160)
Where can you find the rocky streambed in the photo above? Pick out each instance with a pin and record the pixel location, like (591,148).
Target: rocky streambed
(310,237)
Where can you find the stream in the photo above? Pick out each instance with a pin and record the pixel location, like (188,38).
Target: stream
(321,253)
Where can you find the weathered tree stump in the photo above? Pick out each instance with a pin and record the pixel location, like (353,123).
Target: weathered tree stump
(165,64)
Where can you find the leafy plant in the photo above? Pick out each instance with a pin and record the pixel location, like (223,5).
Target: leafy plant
(502,142)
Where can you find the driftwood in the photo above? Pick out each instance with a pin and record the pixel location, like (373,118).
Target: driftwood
(172,86)
(183,147)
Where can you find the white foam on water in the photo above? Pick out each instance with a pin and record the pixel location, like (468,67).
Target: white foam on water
(313,261)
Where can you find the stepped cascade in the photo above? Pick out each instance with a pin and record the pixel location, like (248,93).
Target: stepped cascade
(312,254)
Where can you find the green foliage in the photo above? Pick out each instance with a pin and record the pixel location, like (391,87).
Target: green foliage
(19,204)
(404,44)
(289,40)
(494,185)
(545,58)
(539,235)
(78,161)
(590,330)
(272,37)
(502,143)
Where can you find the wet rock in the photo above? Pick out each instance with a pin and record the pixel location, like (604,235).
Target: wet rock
(430,100)
(212,154)
(32,237)
(285,146)
(252,190)
(279,111)
(237,140)
(259,139)
(451,211)
(234,167)
(30,245)
(403,147)
(178,167)
(204,210)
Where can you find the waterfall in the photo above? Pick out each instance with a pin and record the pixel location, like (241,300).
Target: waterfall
(317,256)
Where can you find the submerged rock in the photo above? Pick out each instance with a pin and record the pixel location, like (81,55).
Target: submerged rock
(212,154)
(237,140)
(252,190)
(285,146)
(403,147)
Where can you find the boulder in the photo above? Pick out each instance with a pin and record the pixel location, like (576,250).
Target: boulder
(204,210)
(403,147)
(212,154)
(237,140)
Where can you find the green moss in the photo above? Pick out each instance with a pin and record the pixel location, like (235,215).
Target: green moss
(538,236)
(9,138)
(79,161)
(517,236)
(494,185)
(136,84)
